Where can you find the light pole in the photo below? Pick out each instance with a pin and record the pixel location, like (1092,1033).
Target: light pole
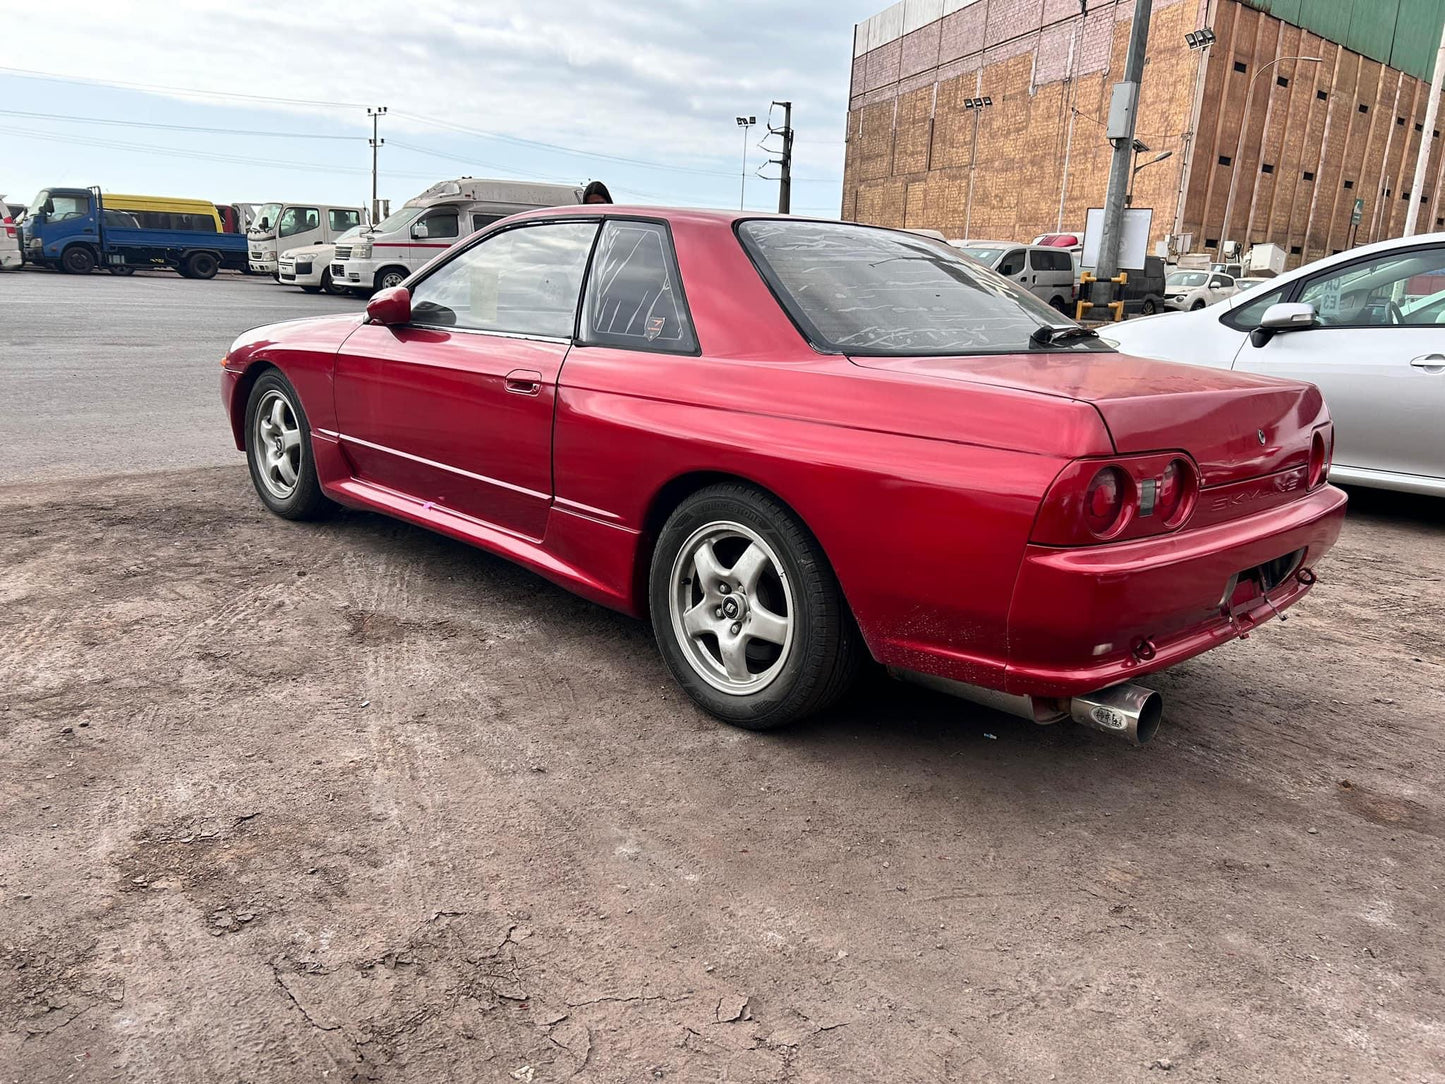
(745,123)
(1138,146)
(1234,166)
(375,115)
(976,105)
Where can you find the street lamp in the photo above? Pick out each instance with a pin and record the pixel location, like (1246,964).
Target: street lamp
(1138,146)
(745,123)
(1239,143)
(1199,39)
(976,105)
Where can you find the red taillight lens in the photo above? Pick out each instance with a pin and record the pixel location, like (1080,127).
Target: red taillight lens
(1319,458)
(1104,501)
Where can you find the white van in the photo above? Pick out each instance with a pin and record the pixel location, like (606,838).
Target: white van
(9,234)
(309,266)
(1047,272)
(387,253)
(279,226)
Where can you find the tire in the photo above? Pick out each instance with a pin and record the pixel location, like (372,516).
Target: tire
(201,265)
(266,424)
(120,270)
(1196,306)
(1058,304)
(770,575)
(1149,308)
(329,287)
(312,289)
(77,260)
(388,277)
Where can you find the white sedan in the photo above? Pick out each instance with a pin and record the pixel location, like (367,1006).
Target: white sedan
(1185,291)
(1367,326)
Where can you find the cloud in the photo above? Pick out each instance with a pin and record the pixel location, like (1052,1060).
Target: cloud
(659,81)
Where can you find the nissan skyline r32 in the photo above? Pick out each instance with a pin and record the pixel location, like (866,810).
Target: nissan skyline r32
(796,444)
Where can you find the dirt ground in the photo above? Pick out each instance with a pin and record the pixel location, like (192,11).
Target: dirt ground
(352,802)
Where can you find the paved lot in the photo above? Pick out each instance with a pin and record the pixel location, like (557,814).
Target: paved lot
(101,374)
(353,802)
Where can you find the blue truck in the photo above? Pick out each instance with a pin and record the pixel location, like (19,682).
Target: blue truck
(78,229)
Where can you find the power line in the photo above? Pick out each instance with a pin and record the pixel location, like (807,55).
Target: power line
(172,127)
(156,88)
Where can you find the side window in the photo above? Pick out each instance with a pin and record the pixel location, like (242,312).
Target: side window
(443,224)
(1379,292)
(341,220)
(524,281)
(298,220)
(479,221)
(1013,263)
(633,297)
(1247,317)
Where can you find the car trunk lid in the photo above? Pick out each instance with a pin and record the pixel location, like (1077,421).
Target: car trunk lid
(1236,425)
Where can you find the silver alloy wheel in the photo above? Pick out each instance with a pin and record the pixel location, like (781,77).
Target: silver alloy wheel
(392,278)
(277,443)
(731,608)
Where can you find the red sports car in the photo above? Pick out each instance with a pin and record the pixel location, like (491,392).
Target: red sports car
(794,444)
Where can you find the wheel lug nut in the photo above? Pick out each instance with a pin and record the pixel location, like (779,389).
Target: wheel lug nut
(723,589)
(717,611)
(737,628)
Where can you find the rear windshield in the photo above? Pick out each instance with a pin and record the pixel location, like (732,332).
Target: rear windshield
(867,291)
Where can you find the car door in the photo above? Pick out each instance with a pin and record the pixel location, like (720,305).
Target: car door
(433,232)
(1014,265)
(1220,287)
(299,226)
(455,407)
(1378,357)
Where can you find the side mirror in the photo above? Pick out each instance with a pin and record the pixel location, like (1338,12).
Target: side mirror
(1282,317)
(420,230)
(389,307)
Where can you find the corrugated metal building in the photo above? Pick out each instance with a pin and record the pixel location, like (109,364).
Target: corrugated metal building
(1300,141)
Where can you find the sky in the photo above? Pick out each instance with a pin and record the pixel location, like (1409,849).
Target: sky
(258,100)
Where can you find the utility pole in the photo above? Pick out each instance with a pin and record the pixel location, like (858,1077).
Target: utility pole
(785,181)
(1122,108)
(375,114)
(1423,158)
(745,123)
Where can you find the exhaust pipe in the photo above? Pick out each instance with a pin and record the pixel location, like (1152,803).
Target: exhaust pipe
(1130,711)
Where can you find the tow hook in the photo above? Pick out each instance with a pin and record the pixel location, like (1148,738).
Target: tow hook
(1144,650)
(1306,576)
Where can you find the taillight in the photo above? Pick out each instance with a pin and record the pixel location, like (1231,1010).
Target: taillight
(1320,448)
(1093,501)
(1104,501)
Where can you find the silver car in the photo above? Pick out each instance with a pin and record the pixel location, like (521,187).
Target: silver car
(1367,326)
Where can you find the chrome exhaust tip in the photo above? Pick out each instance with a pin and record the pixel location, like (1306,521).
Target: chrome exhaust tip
(1131,712)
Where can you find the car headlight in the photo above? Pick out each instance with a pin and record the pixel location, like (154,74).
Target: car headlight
(361,252)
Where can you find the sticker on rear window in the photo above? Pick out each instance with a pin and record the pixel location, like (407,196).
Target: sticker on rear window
(654,327)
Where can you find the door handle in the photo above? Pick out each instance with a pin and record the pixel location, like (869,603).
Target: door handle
(1432,362)
(524,382)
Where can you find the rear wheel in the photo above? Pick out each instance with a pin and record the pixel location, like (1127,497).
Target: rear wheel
(1060,305)
(120,269)
(201,265)
(388,277)
(1149,308)
(77,260)
(747,612)
(278,450)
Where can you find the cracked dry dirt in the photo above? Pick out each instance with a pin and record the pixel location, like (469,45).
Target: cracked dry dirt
(351,802)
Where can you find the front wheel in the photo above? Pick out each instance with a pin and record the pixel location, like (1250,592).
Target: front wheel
(747,612)
(278,450)
(329,286)
(1196,306)
(388,277)
(77,260)
(120,269)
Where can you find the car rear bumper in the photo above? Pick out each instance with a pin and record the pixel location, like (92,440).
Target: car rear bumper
(1086,618)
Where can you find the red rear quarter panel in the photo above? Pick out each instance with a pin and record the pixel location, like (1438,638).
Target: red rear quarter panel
(921,492)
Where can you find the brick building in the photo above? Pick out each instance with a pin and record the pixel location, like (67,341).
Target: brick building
(1318,137)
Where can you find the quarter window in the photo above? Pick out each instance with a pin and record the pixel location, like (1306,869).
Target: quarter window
(1247,317)
(523,281)
(342,220)
(296,220)
(633,300)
